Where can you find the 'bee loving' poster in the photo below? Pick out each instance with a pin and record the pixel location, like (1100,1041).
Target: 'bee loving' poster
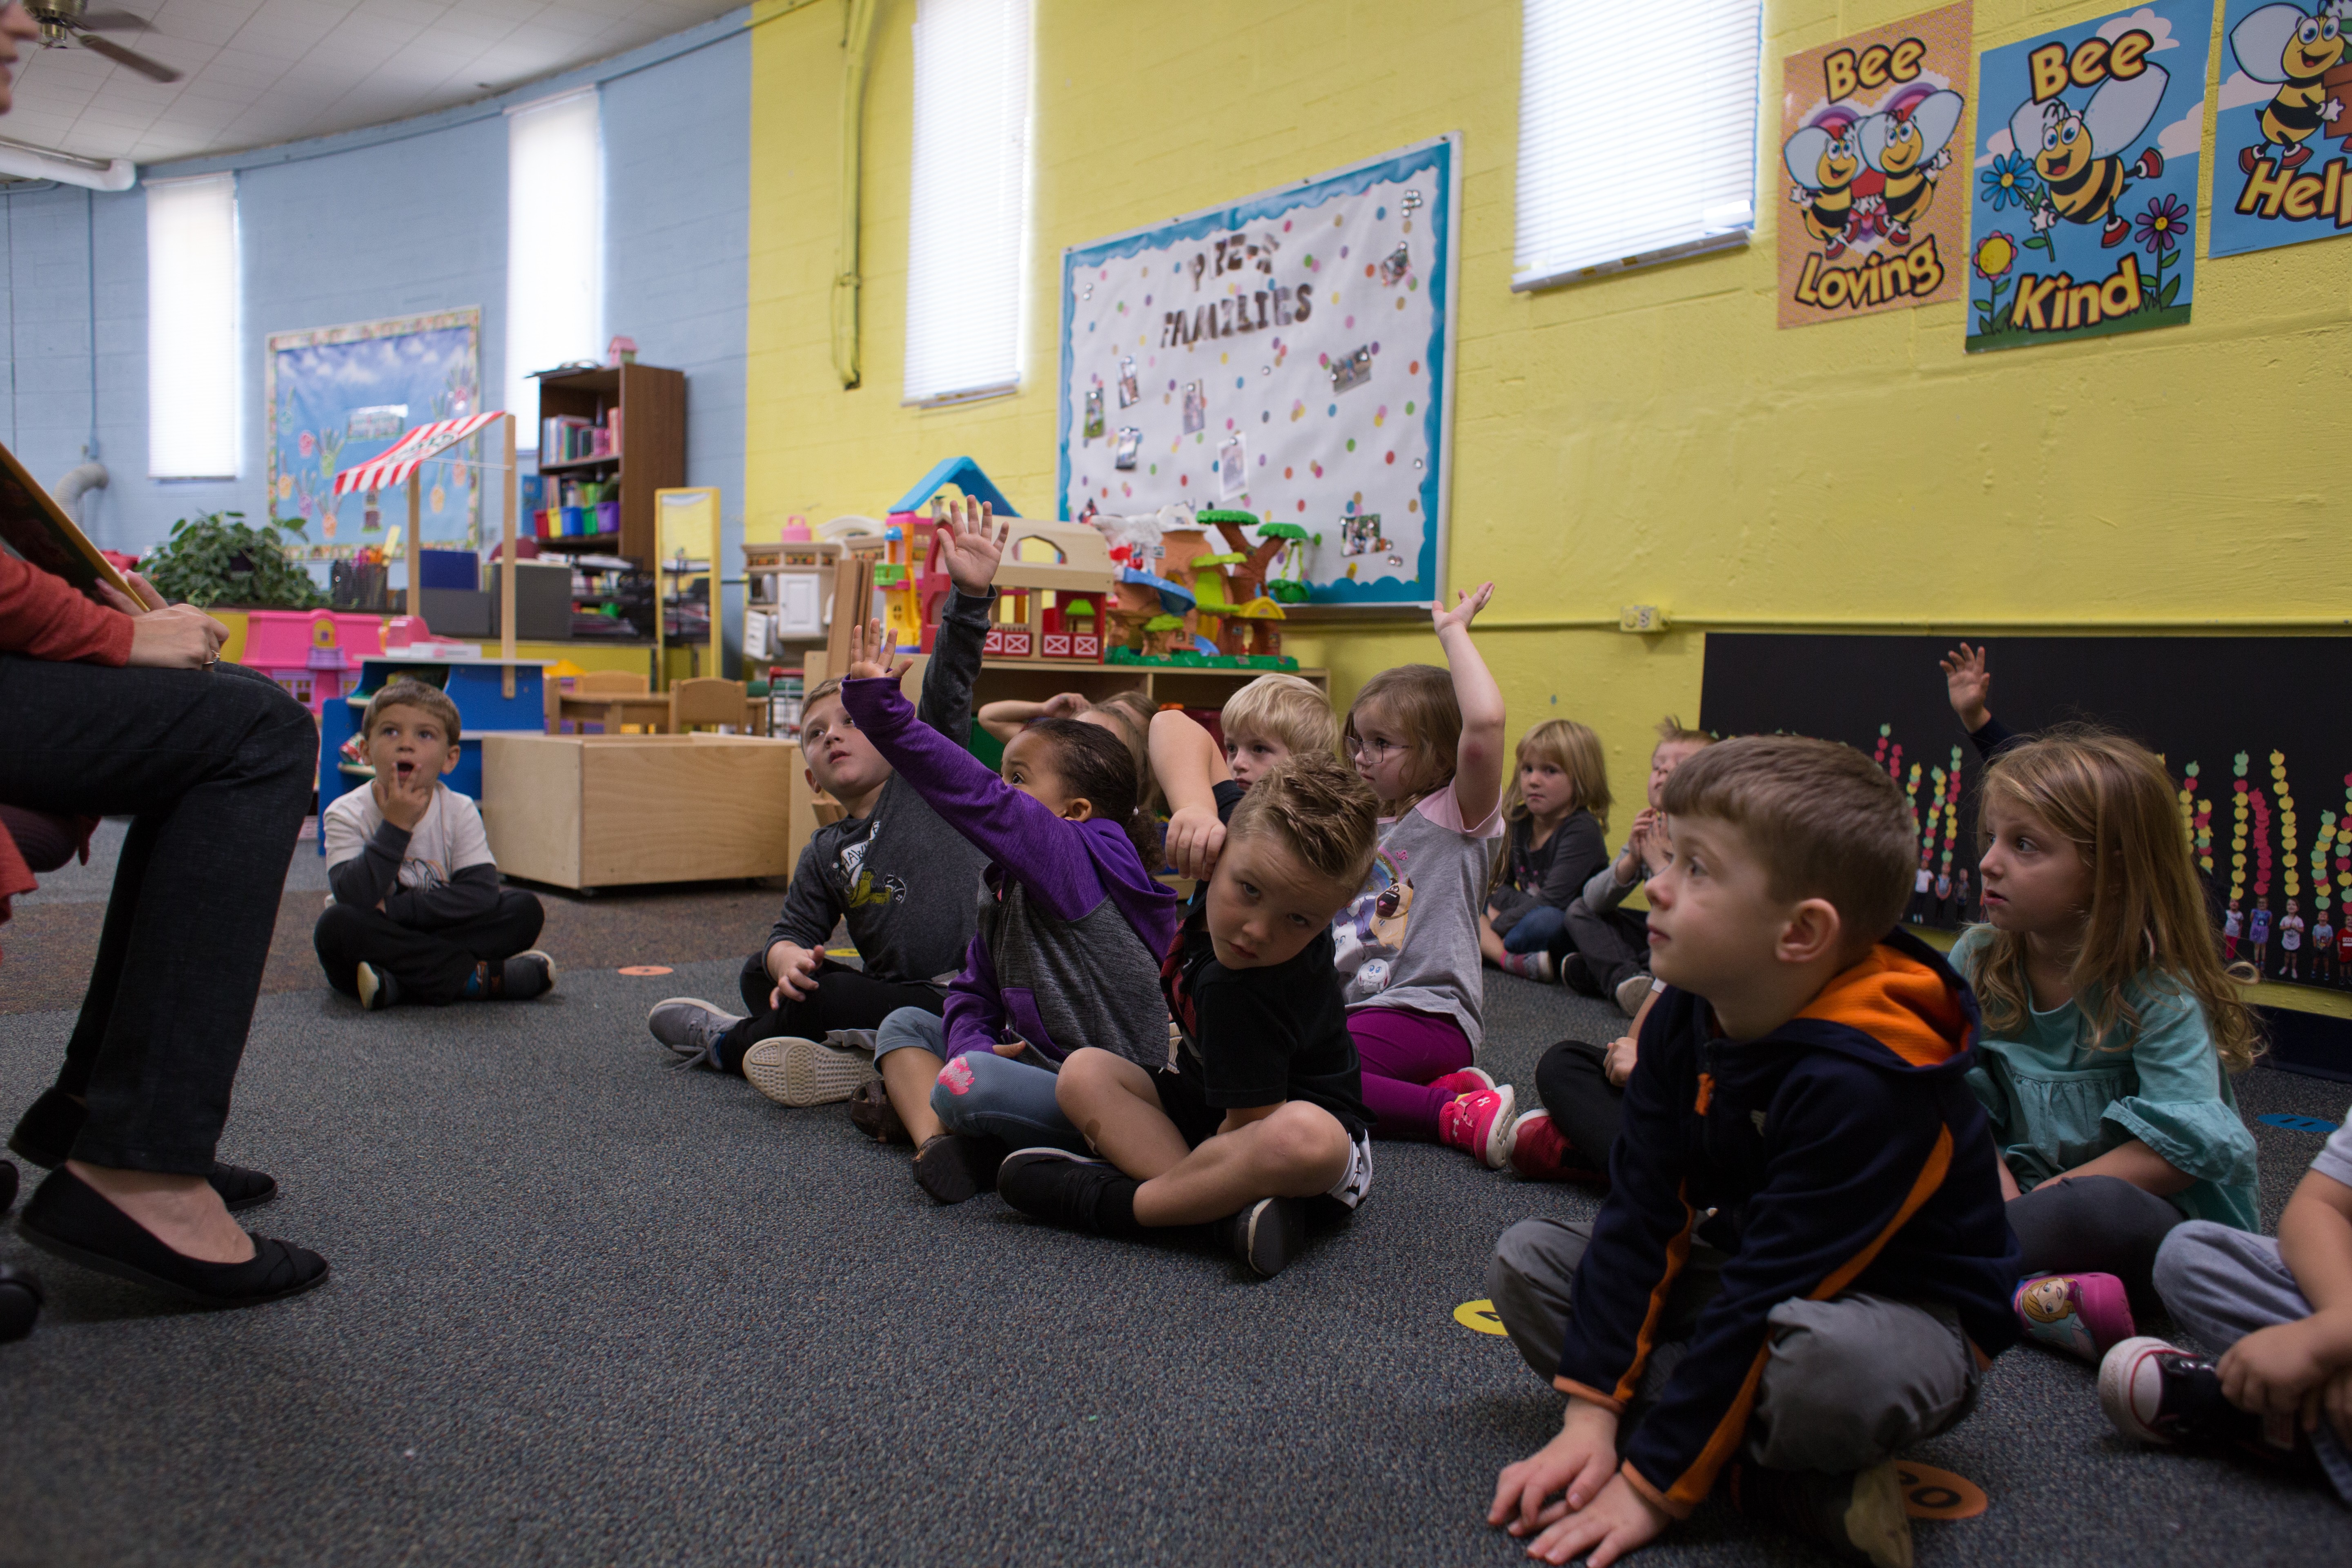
(1874,132)
(2285,125)
(2086,179)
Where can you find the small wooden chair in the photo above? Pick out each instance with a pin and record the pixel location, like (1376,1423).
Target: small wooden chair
(597,683)
(705,702)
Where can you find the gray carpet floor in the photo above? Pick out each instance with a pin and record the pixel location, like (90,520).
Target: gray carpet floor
(588,1307)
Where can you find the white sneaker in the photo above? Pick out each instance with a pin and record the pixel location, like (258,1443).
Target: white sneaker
(1632,994)
(794,1072)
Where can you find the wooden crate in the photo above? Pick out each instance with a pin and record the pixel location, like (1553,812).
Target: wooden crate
(603,811)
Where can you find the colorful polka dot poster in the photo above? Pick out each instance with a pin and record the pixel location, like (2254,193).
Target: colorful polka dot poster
(1290,354)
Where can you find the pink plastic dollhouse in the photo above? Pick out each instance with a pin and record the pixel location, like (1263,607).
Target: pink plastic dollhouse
(314,654)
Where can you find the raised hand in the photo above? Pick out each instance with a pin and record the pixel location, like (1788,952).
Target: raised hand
(971,544)
(1968,685)
(1065,705)
(1465,609)
(873,652)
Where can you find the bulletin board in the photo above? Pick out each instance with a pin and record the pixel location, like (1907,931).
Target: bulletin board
(338,396)
(1291,353)
(2260,762)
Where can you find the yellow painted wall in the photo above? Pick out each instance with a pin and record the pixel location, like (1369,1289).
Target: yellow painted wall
(1647,439)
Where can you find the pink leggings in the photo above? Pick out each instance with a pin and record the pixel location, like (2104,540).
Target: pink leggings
(1402,1050)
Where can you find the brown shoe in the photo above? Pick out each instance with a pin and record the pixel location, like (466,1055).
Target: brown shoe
(871,1112)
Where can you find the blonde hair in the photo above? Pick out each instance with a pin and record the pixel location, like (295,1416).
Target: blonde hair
(1286,709)
(1132,711)
(404,692)
(1419,698)
(1574,750)
(1320,810)
(1671,733)
(2111,798)
(1825,821)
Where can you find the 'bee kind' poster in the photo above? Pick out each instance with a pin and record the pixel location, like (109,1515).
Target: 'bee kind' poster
(2086,185)
(1871,129)
(2285,125)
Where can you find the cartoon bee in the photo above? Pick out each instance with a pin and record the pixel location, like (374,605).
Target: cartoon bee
(2280,45)
(1823,161)
(2085,180)
(1906,143)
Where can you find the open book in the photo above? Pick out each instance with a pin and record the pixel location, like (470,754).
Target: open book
(35,527)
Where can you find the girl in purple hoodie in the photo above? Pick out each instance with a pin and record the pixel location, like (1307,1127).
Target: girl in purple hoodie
(1072,930)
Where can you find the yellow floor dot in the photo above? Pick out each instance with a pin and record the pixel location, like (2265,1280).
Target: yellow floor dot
(1478,1316)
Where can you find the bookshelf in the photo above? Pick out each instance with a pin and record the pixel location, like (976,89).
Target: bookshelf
(649,456)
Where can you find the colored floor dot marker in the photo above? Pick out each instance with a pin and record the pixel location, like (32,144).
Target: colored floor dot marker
(1479,1317)
(2297,1123)
(645,968)
(1931,1493)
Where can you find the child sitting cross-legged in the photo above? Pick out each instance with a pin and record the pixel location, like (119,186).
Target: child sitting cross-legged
(898,877)
(1804,1197)
(2110,1031)
(1070,930)
(1262,1111)
(417,913)
(1558,808)
(2279,1314)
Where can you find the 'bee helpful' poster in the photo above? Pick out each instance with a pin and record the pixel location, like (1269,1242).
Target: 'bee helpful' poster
(2086,181)
(1873,139)
(2285,125)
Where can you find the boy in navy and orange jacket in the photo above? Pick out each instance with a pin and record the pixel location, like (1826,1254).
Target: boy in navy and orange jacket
(1802,1265)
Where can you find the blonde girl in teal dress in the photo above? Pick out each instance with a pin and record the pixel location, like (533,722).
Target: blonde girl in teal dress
(2110,1032)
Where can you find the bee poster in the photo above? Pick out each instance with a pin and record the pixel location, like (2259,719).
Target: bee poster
(2283,125)
(2087,187)
(1290,354)
(1871,127)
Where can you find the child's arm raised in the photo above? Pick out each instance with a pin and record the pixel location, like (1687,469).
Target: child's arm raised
(972,544)
(1966,685)
(1479,758)
(1007,826)
(1186,761)
(1007,717)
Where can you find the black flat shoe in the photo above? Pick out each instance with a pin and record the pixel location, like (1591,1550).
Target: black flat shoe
(956,1167)
(72,1219)
(44,1136)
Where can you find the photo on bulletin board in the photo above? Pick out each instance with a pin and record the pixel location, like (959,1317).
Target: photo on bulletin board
(1874,129)
(337,396)
(2087,185)
(1290,353)
(2283,125)
(2262,766)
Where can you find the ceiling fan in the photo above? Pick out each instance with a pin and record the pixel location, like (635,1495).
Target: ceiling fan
(64,20)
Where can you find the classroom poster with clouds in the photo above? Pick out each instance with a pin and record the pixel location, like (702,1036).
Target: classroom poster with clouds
(2085,222)
(2283,125)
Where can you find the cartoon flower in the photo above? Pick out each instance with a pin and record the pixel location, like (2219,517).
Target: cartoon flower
(2044,218)
(1996,254)
(2164,225)
(2010,182)
(306,445)
(285,487)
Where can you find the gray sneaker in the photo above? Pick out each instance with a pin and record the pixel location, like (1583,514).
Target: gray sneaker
(794,1072)
(1631,991)
(691,1028)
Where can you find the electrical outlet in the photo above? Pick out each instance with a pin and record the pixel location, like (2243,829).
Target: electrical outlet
(1641,618)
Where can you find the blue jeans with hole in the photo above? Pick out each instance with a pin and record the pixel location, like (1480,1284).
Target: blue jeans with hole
(982,1094)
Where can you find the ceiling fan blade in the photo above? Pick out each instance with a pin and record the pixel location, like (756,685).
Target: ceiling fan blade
(154,70)
(112,22)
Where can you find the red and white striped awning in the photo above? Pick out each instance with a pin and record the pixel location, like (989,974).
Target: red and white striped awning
(396,462)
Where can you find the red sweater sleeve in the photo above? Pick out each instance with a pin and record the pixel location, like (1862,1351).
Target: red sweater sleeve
(42,617)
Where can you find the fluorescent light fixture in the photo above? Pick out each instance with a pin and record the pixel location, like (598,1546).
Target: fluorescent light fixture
(1611,174)
(968,218)
(555,245)
(191,344)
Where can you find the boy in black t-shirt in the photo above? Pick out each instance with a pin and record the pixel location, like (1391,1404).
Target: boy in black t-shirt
(1261,1109)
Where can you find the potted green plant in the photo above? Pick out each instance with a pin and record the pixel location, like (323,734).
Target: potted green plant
(218,559)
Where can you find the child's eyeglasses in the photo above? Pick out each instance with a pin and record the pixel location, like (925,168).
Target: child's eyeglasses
(1378,750)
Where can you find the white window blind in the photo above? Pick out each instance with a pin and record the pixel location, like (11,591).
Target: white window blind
(969,212)
(191,310)
(1637,135)
(555,246)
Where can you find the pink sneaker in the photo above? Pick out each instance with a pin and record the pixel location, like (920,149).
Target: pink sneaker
(1469,1080)
(1540,1151)
(1479,1125)
(2082,1314)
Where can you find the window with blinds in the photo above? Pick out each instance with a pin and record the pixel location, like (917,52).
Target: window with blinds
(192,320)
(968,219)
(555,246)
(1637,135)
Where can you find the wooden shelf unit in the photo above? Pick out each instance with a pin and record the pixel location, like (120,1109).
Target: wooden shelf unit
(652,455)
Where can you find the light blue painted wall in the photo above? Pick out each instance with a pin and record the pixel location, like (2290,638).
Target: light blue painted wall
(391,221)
